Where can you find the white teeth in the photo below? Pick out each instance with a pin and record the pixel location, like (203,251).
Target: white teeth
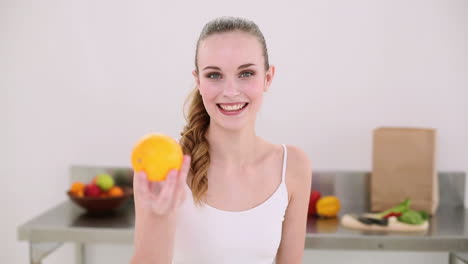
(232,107)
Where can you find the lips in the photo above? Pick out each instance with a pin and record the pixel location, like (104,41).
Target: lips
(232,108)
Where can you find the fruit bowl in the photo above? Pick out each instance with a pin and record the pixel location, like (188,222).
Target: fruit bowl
(99,205)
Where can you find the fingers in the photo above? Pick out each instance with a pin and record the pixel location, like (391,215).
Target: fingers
(162,197)
(140,183)
(179,194)
(179,199)
(166,195)
(185,169)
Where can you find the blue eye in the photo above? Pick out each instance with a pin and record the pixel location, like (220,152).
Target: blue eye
(217,75)
(246,74)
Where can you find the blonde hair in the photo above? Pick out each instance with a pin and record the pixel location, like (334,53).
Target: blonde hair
(193,141)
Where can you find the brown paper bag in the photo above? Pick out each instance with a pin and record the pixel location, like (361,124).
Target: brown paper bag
(404,167)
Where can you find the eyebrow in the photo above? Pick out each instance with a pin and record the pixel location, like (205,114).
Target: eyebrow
(240,67)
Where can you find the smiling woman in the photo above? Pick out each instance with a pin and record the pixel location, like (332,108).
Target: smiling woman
(237,198)
(232,76)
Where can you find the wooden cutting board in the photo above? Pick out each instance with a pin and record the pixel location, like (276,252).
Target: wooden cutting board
(351,221)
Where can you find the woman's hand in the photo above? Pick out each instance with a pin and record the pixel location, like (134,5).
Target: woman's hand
(164,197)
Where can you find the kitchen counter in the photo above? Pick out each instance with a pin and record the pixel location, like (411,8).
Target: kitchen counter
(448,230)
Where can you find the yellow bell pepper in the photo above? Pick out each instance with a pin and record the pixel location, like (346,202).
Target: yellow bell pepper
(328,206)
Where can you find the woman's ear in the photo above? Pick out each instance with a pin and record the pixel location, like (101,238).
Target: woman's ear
(195,75)
(269,77)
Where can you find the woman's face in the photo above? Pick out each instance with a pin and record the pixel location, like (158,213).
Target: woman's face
(232,78)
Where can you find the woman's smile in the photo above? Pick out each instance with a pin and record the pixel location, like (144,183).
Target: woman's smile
(232,108)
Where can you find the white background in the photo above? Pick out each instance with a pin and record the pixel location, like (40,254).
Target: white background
(80,81)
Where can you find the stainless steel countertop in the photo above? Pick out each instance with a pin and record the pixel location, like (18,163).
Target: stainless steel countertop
(69,223)
(448,229)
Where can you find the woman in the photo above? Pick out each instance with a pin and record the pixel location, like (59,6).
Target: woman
(237,198)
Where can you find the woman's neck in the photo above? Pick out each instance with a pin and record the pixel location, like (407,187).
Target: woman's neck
(232,148)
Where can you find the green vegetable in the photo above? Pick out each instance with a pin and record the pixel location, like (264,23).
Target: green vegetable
(407,215)
(401,208)
(424,215)
(412,217)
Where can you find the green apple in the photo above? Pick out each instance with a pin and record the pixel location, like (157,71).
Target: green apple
(104,181)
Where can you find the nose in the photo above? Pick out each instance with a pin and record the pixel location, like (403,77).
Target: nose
(230,89)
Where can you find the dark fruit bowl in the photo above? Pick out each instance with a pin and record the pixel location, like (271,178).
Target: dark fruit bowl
(98,205)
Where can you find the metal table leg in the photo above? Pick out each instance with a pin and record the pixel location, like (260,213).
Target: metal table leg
(80,253)
(38,251)
(455,258)
(452,258)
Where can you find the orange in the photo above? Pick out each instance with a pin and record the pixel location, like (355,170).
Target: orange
(115,191)
(77,188)
(80,193)
(156,154)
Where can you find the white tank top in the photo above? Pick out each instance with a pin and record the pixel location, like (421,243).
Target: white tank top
(206,235)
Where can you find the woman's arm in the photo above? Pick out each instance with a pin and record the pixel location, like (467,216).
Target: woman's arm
(153,239)
(156,206)
(298,182)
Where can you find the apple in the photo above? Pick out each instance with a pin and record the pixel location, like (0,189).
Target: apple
(104,181)
(92,190)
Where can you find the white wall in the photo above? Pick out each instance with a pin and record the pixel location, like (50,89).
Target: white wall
(84,79)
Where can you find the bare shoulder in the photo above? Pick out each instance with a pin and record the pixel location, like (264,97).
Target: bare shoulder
(298,160)
(299,169)
(298,164)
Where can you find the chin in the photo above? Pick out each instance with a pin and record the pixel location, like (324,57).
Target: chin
(231,126)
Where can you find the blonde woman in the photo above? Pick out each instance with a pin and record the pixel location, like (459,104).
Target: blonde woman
(237,198)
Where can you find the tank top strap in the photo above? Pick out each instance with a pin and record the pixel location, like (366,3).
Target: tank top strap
(285,159)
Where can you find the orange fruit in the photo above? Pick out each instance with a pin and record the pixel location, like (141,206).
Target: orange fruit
(156,154)
(80,193)
(77,187)
(115,191)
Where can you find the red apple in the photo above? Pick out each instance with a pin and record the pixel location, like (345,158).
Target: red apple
(92,190)
(314,197)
